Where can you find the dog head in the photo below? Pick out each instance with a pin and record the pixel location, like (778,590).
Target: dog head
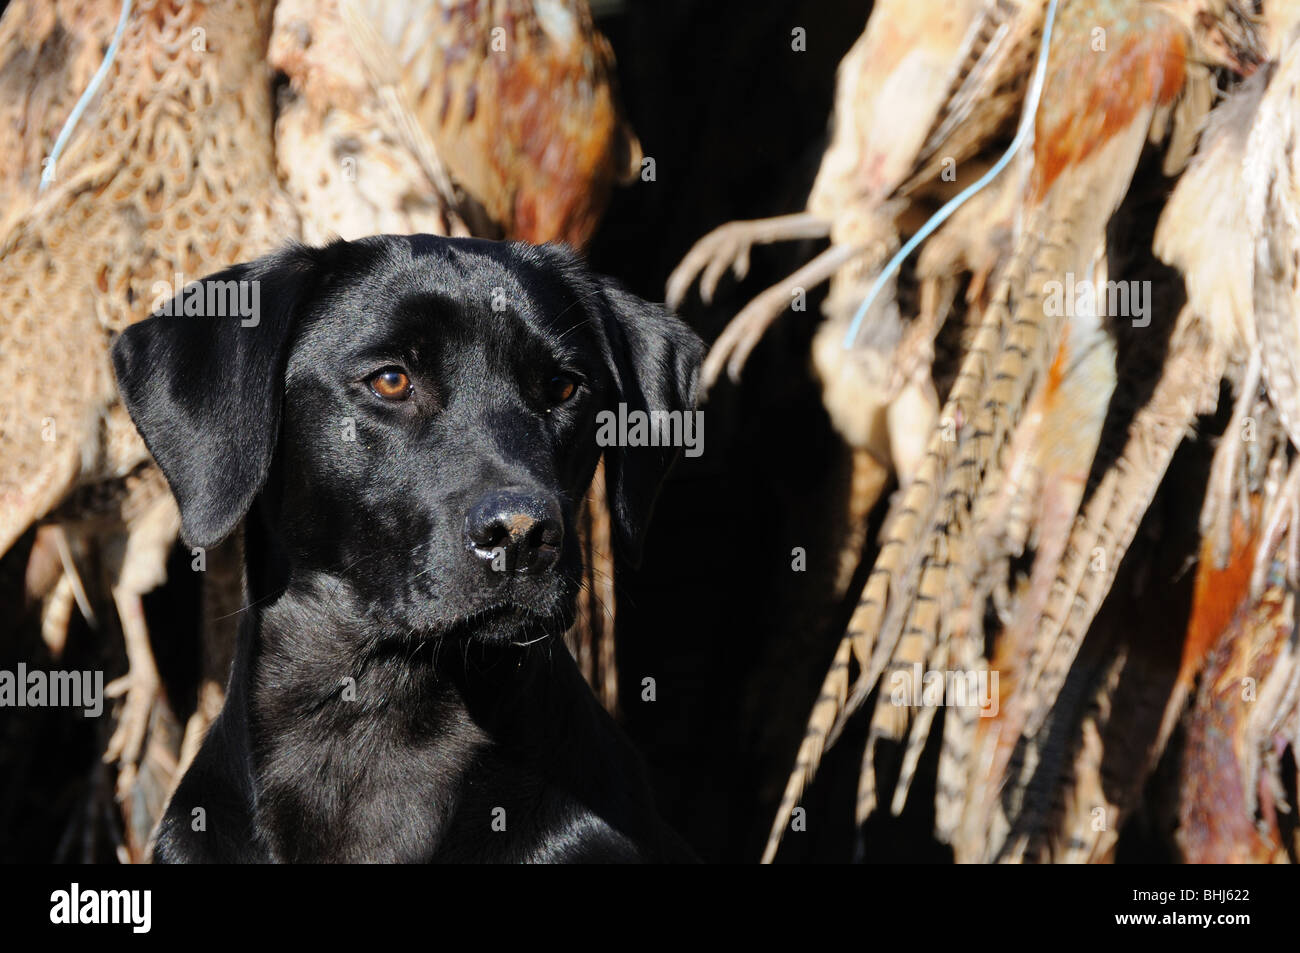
(418,415)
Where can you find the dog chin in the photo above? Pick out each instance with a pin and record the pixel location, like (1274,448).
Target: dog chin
(510,622)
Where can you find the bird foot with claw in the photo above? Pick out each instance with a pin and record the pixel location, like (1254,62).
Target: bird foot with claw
(728,247)
(125,747)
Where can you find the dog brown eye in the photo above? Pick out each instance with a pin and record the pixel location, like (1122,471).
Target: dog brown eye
(391,384)
(560,388)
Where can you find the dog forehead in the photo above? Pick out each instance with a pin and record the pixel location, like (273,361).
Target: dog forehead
(415,286)
(453,267)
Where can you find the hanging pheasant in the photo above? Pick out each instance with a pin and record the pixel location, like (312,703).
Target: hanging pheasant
(1245,712)
(168,171)
(500,118)
(927,86)
(1012,460)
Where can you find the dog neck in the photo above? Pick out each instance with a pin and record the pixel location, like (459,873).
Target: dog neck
(345,717)
(318,643)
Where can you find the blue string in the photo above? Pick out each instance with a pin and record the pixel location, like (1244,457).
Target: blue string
(941,216)
(47,176)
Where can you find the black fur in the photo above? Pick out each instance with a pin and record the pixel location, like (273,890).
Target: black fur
(390,693)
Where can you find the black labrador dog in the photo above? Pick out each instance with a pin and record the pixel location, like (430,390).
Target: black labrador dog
(405,425)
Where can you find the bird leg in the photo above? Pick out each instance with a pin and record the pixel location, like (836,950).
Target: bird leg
(727,246)
(915,354)
(1279,526)
(139,686)
(1216,519)
(742,334)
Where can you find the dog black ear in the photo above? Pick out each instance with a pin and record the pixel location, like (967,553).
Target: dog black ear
(655,364)
(203,377)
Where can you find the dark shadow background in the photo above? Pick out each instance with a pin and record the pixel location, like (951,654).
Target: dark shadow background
(738,643)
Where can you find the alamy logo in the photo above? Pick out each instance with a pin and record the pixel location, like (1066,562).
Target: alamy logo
(38,689)
(652,428)
(1114,299)
(209,298)
(913,687)
(75,906)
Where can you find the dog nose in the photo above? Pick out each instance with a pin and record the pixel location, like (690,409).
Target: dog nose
(515,531)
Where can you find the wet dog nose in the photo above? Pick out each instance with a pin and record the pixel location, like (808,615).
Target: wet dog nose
(515,531)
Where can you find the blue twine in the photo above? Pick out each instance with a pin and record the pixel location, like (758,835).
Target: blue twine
(47,175)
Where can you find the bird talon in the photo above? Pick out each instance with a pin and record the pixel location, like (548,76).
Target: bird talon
(127,741)
(729,245)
